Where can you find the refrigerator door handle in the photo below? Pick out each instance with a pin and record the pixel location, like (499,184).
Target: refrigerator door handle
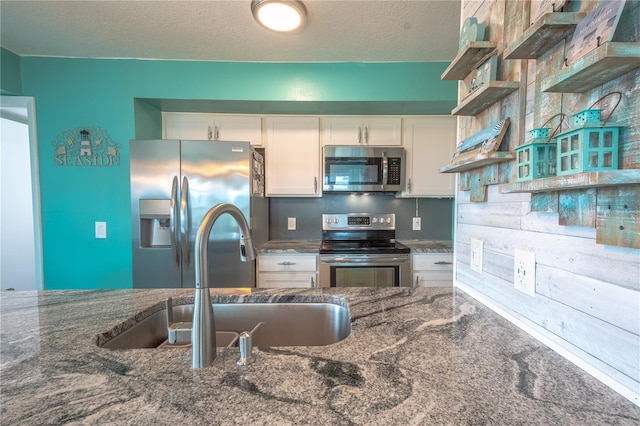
(185,223)
(173,228)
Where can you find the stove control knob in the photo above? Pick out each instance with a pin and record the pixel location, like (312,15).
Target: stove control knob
(336,220)
(389,220)
(375,220)
(382,220)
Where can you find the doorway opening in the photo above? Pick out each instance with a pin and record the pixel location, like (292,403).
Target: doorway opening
(20,221)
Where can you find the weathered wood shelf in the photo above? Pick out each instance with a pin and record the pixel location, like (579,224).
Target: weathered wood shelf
(485,97)
(545,33)
(601,65)
(478,161)
(576,181)
(467,58)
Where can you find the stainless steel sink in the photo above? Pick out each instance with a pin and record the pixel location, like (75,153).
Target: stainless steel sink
(286,324)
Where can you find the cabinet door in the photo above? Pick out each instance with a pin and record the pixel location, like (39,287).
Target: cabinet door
(383,131)
(238,128)
(342,131)
(287,280)
(432,279)
(375,131)
(192,126)
(429,143)
(292,156)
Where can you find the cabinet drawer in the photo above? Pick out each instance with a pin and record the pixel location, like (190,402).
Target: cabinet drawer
(287,280)
(288,263)
(432,262)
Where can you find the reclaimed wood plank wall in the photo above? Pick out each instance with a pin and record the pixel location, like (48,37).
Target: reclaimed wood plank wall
(587,294)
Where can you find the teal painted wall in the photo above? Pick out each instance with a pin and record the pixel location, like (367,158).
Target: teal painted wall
(71,93)
(10,80)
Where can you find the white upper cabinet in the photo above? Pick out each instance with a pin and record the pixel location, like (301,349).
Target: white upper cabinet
(429,142)
(292,155)
(197,126)
(373,131)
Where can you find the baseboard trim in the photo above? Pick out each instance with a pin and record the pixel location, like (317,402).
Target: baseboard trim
(545,339)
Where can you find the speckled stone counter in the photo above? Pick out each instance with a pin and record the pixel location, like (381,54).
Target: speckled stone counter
(429,356)
(290,246)
(429,246)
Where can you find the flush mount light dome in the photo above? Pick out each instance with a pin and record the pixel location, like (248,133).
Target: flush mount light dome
(279,15)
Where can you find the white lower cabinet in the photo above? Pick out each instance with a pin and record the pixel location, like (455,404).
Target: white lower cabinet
(298,270)
(432,269)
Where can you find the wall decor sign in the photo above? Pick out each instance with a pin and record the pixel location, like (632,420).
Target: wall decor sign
(85,146)
(485,141)
(539,8)
(595,29)
(481,76)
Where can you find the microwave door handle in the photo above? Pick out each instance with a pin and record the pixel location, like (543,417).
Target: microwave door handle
(385,170)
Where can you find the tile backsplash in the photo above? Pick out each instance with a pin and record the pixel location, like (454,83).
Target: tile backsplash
(436,214)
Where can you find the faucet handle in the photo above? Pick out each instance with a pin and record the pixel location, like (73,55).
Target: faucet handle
(178,333)
(246,346)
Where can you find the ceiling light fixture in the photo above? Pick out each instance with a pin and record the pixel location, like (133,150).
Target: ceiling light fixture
(279,15)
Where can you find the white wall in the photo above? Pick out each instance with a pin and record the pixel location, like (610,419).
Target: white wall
(17,251)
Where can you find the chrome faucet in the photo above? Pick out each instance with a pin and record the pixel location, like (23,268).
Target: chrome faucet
(203,330)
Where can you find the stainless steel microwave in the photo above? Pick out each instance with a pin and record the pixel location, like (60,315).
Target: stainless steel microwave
(363,169)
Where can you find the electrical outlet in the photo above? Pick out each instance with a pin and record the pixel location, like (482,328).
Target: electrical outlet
(524,271)
(417,224)
(101,229)
(476,255)
(291,223)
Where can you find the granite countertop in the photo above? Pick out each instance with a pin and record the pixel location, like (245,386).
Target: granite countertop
(313,246)
(289,246)
(429,246)
(414,356)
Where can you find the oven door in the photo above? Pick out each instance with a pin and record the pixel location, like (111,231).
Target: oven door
(365,270)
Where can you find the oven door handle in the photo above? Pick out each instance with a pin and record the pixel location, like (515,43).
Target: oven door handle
(335,260)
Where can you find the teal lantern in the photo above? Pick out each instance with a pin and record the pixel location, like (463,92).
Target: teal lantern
(536,158)
(590,146)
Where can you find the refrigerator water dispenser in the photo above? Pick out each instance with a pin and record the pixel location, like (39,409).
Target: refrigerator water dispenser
(155,223)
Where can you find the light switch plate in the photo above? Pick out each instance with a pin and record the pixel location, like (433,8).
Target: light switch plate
(476,255)
(101,229)
(291,223)
(417,223)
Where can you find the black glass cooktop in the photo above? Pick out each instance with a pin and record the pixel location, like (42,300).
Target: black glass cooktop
(363,246)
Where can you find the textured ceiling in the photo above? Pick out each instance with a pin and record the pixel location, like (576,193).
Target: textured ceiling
(336,31)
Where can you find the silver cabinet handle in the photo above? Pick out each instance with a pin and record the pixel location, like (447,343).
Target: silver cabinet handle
(315,185)
(209,133)
(174,230)
(409,186)
(185,222)
(313,283)
(286,263)
(359,135)
(366,135)
(417,284)
(442,262)
(216,133)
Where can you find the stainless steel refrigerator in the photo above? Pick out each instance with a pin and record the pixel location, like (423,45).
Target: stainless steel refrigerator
(173,185)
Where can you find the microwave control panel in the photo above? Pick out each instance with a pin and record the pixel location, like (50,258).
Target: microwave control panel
(394,171)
